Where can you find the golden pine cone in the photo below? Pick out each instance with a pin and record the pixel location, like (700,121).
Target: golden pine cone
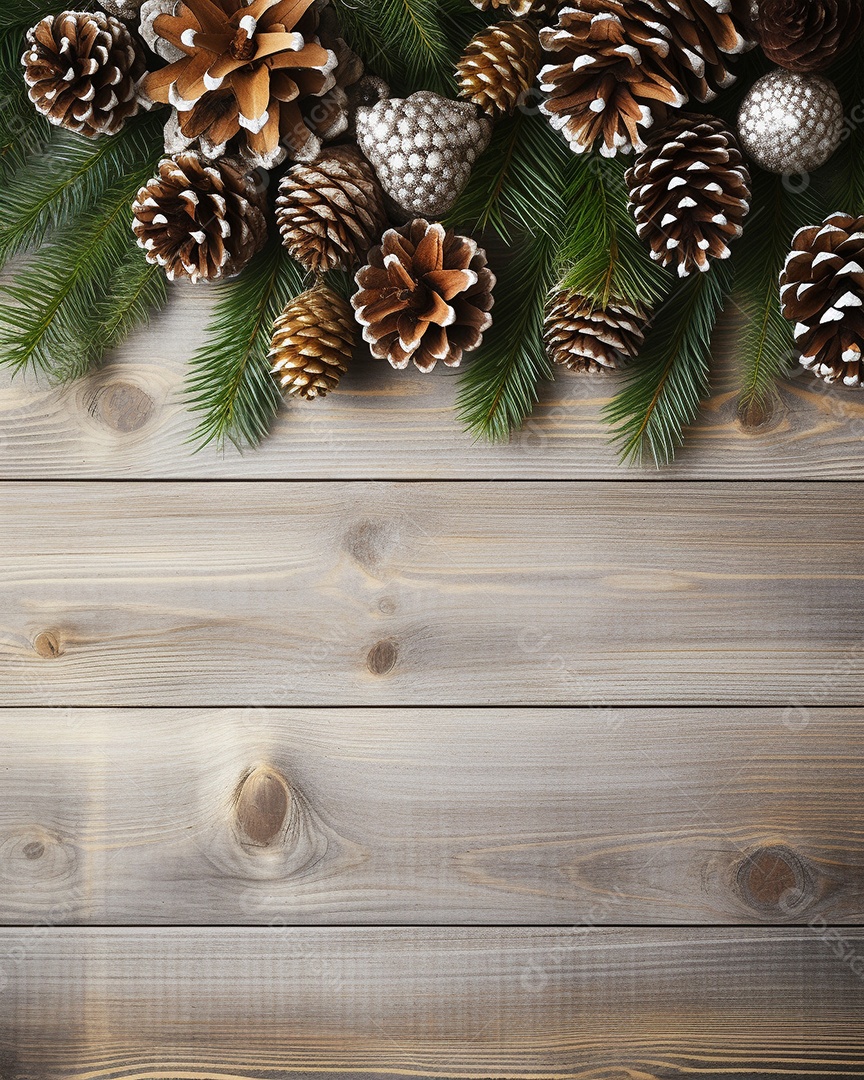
(331,211)
(425,296)
(822,292)
(584,337)
(690,193)
(313,341)
(499,66)
(200,220)
(82,71)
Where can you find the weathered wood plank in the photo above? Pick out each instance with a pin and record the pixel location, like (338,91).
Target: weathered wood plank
(261,1005)
(305,594)
(431,815)
(129,421)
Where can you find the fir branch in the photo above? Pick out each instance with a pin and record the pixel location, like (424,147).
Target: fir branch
(69,178)
(766,345)
(56,321)
(662,395)
(498,389)
(602,257)
(229,380)
(403,40)
(846,167)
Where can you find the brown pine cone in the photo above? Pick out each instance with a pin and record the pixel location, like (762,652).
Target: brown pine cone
(690,193)
(425,296)
(200,220)
(331,212)
(313,341)
(822,292)
(807,35)
(620,65)
(241,74)
(82,69)
(540,9)
(499,66)
(587,338)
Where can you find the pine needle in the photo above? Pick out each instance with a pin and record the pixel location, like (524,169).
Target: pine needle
(229,378)
(670,379)
(68,178)
(766,346)
(76,297)
(498,390)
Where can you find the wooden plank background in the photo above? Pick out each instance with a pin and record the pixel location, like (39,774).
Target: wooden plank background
(399,594)
(129,421)
(431,815)
(214,1004)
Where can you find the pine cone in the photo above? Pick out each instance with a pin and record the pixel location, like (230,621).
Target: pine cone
(244,75)
(200,220)
(584,337)
(425,295)
(313,340)
(540,9)
(82,69)
(499,66)
(822,292)
(619,65)
(690,193)
(331,212)
(807,35)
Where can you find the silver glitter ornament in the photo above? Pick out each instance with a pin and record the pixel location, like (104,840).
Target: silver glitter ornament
(423,148)
(122,9)
(791,123)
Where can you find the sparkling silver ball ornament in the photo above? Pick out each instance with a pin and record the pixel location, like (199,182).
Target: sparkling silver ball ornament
(791,123)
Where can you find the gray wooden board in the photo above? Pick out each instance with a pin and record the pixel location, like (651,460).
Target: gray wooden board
(431,815)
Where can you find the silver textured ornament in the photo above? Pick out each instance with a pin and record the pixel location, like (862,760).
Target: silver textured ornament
(423,148)
(791,123)
(122,9)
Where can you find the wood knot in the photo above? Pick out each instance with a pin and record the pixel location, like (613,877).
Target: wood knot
(755,415)
(123,406)
(34,850)
(774,880)
(47,644)
(382,657)
(262,804)
(370,543)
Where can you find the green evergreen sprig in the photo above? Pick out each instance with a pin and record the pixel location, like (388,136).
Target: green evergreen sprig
(229,381)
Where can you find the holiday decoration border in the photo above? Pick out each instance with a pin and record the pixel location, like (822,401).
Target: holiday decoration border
(549,219)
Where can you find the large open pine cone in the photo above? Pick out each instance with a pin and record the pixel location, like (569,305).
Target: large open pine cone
(200,220)
(499,66)
(690,193)
(425,296)
(331,211)
(82,69)
(243,72)
(618,66)
(313,341)
(807,35)
(583,336)
(822,292)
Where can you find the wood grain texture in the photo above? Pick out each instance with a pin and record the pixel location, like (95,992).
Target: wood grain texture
(129,421)
(389,594)
(537,1004)
(431,815)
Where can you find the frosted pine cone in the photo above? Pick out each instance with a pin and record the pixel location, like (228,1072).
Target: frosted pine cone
(200,220)
(425,296)
(331,212)
(82,71)
(690,193)
(822,292)
(585,337)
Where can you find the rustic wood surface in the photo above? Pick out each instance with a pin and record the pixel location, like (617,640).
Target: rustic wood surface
(129,421)
(431,815)
(407,594)
(547,1005)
